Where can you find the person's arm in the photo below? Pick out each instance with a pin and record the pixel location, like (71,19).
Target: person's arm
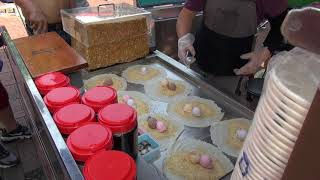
(33,14)
(184,23)
(275,11)
(186,38)
(184,28)
(275,41)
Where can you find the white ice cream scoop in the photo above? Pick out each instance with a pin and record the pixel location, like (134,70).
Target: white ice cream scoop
(196,111)
(144,70)
(241,134)
(130,102)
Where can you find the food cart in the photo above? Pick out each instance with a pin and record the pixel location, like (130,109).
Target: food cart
(56,159)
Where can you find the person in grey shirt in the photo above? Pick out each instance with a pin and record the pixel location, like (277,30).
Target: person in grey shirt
(43,16)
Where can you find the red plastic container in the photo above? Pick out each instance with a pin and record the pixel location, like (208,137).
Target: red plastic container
(99,97)
(122,120)
(72,116)
(51,81)
(110,165)
(60,97)
(89,139)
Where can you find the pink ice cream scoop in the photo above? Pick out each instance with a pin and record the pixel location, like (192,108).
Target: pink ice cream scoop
(161,127)
(206,161)
(126,98)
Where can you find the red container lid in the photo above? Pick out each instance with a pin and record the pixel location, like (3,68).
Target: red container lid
(60,97)
(52,80)
(115,165)
(72,116)
(98,97)
(88,139)
(120,118)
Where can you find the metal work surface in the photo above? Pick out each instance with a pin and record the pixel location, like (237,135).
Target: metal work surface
(176,71)
(59,161)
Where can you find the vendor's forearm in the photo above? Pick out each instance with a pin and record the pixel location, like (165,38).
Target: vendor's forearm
(184,23)
(275,40)
(25,5)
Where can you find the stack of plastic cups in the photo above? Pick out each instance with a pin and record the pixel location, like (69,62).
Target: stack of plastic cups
(281,112)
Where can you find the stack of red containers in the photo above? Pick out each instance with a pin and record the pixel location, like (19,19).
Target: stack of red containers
(111,165)
(90,141)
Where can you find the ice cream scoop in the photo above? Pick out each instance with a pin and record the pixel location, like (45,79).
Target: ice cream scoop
(126,98)
(196,111)
(161,127)
(130,102)
(164,83)
(152,122)
(206,161)
(108,82)
(144,70)
(187,108)
(172,86)
(242,134)
(194,157)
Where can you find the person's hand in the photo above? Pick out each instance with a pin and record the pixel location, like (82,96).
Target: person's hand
(185,44)
(38,21)
(256,59)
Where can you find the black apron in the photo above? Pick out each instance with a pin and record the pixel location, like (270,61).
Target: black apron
(226,33)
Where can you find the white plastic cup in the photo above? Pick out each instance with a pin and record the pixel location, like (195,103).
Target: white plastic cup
(271,86)
(299,100)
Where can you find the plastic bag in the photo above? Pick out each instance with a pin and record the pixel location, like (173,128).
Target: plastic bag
(301,28)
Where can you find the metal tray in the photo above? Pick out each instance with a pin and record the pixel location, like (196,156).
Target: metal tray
(59,161)
(176,71)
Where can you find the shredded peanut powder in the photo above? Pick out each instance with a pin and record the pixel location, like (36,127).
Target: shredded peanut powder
(91,83)
(140,106)
(164,91)
(135,74)
(232,140)
(179,165)
(206,111)
(170,132)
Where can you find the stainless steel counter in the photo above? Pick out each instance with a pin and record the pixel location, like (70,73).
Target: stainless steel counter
(57,158)
(176,71)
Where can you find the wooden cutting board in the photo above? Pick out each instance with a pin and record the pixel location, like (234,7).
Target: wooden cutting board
(48,53)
